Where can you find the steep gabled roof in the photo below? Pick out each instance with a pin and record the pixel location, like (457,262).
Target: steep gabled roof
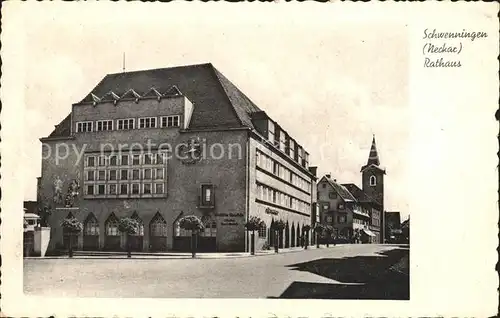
(243,106)
(359,194)
(217,102)
(63,129)
(173,91)
(341,190)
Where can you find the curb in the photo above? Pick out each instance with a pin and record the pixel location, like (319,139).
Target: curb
(182,256)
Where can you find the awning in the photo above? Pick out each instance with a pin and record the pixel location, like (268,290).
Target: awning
(368,232)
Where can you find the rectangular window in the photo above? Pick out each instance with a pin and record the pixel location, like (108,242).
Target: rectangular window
(159,173)
(124,188)
(147,188)
(101,175)
(101,189)
(102,161)
(135,174)
(103,125)
(276,168)
(124,124)
(159,188)
(135,188)
(170,121)
(112,189)
(91,175)
(159,158)
(147,174)
(291,148)
(90,189)
(136,159)
(341,206)
(123,174)
(84,126)
(299,154)
(91,161)
(282,141)
(113,160)
(124,160)
(207,195)
(270,129)
(341,219)
(332,195)
(147,122)
(112,175)
(148,159)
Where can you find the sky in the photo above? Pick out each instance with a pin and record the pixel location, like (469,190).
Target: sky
(331,84)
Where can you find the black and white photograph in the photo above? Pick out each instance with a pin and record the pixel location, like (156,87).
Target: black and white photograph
(253,152)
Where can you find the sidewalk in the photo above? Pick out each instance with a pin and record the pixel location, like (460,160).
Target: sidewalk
(176,255)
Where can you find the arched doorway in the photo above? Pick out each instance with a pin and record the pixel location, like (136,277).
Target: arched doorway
(112,237)
(182,238)
(293,234)
(298,236)
(272,234)
(158,233)
(287,235)
(207,241)
(136,240)
(91,233)
(67,234)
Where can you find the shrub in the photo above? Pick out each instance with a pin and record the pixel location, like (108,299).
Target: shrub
(128,226)
(191,223)
(72,225)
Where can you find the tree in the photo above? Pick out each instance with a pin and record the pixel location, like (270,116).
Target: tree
(253,224)
(305,230)
(318,229)
(128,226)
(72,226)
(278,227)
(195,225)
(328,233)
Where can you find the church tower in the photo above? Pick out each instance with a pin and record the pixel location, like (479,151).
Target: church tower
(373,182)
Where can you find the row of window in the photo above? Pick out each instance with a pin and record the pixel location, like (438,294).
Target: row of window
(283,142)
(326,206)
(125,174)
(158,227)
(158,158)
(267,163)
(129,123)
(362,222)
(272,195)
(124,189)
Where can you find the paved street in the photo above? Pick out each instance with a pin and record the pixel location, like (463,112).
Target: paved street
(341,272)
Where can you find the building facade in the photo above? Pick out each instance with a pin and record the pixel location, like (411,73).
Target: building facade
(161,144)
(355,213)
(340,209)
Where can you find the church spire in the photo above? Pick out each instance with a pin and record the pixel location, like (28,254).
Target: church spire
(373,157)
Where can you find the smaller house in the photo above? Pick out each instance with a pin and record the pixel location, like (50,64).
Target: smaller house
(32,220)
(340,209)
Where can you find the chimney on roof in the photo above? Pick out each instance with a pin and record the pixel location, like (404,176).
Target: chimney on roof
(328,176)
(334,180)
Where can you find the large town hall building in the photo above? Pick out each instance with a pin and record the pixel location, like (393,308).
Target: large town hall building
(160,144)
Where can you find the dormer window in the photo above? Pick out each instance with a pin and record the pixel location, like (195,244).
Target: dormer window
(373,181)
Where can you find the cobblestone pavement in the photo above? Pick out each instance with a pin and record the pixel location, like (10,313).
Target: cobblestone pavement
(335,272)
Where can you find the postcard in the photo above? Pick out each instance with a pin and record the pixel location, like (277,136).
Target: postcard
(217,159)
